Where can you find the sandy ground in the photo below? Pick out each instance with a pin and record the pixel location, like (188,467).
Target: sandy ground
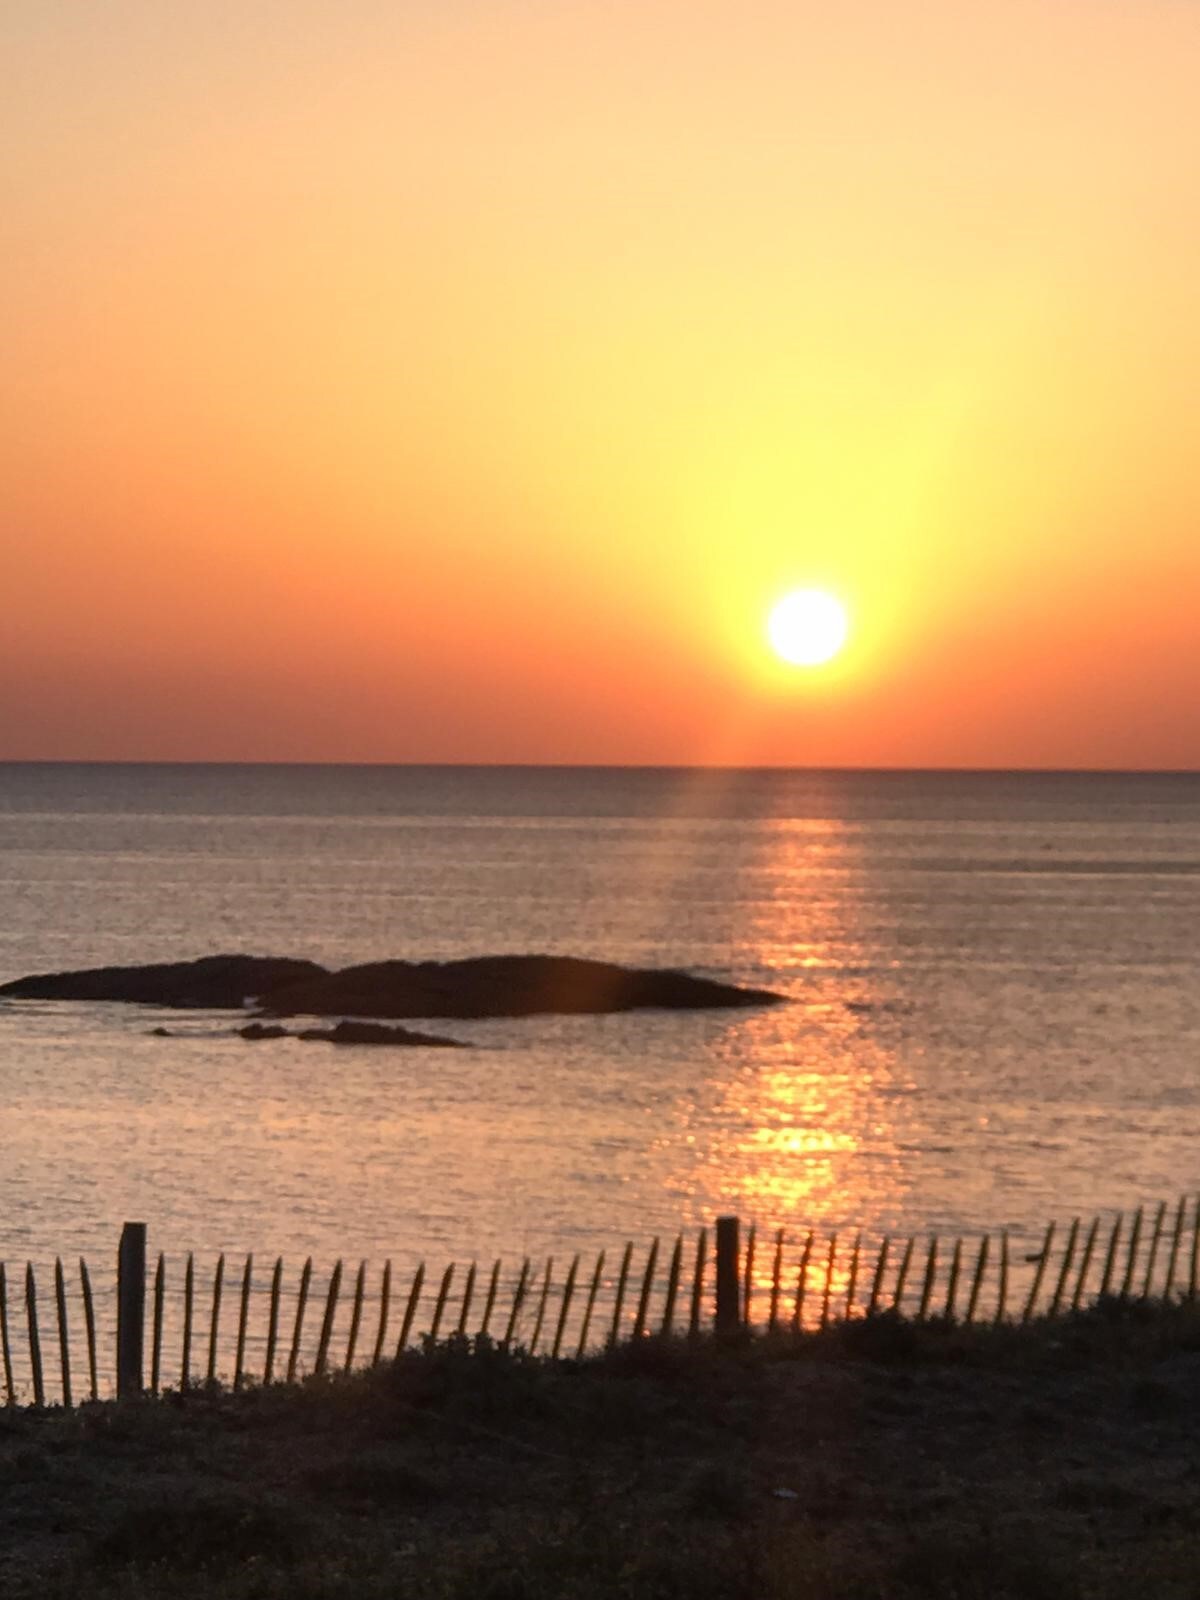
(880,1460)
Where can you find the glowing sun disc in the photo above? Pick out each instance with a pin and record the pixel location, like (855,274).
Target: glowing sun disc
(807,627)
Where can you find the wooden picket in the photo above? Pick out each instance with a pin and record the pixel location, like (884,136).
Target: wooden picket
(239,1368)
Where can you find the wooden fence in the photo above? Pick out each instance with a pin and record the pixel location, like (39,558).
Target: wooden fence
(178,1325)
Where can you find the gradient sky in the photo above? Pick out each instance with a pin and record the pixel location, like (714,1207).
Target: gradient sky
(457,381)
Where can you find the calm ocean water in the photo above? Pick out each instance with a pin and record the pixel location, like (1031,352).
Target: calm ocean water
(996,1017)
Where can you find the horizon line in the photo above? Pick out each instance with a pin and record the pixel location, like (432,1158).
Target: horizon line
(608,766)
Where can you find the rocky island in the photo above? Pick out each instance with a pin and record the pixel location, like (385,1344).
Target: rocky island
(475,987)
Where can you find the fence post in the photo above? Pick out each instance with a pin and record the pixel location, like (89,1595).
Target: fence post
(729,1314)
(131,1308)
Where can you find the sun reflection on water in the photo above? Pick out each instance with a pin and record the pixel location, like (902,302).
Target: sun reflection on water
(802,1123)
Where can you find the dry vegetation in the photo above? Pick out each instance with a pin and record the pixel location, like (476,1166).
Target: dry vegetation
(880,1459)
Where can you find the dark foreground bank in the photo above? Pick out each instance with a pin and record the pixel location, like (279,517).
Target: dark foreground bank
(880,1459)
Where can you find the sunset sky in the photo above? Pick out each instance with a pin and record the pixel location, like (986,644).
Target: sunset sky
(419,381)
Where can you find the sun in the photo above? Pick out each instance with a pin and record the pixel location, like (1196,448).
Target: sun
(807,627)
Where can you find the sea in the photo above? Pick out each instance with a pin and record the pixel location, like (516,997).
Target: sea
(993,982)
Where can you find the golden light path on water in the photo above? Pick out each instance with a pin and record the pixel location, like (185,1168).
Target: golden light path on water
(806,1118)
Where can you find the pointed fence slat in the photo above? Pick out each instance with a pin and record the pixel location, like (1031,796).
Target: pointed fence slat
(493,1287)
(325,1336)
(356,1311)
(156,1321)
(618,1307)
(298,1325)
(1152,1254)
(590,1306)
(698,1284)
(464,1315)
(35,1343)
(410,1310)
(239,1363)
(1173,1257)
(564,1309)
(517,1302)
(543,1300)
(927,1281)
(439,1305)
(331,1300)
(1039,1273)
(385,1301)
(748,1277)
(273,1320)
(1135,1234)
(853,1283)
(977,1280)
(802,1284)
(1068,1261)
(64,1353)
(1089,1246)
(902,1274)
(673,1276)
(218,1283)
(877,1279)
(776,1283)
(1110,1257)
(952,1285)
(827,1288)
(89,1322)
(189,1297)
(1002,1290)
(643,1310)
(10,1393)
(1194,1267)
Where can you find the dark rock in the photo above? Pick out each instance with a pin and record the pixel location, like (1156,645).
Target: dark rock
(480,986)
(502,986)
(378,1033)
(212,982)
(348,1033)
(161,1033)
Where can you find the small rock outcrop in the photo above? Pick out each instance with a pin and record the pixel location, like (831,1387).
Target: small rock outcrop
(379,1033)
(373,1033)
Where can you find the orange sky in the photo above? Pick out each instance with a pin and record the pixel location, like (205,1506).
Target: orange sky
(464,382)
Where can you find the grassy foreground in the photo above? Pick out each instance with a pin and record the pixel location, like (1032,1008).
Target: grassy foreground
(879,1459)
